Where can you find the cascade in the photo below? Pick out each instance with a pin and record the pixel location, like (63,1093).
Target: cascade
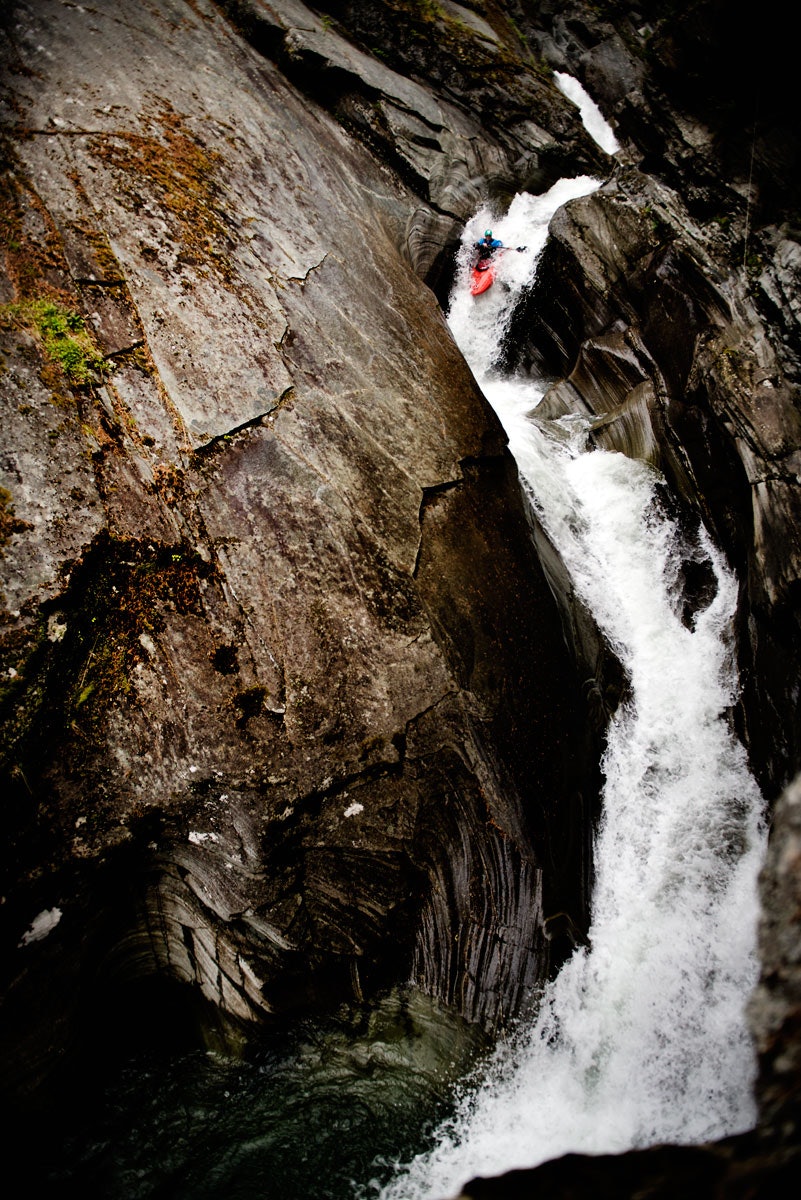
(642,1037)
(591,115)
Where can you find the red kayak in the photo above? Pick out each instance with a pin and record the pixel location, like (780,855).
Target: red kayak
(482,276)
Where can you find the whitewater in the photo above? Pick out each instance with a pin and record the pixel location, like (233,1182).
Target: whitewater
(642,1037)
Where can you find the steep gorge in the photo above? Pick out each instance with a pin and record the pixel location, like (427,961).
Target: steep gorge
(286,700)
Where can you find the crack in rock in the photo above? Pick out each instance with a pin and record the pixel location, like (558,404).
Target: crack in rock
(222,438)
(303,279)
(429,498)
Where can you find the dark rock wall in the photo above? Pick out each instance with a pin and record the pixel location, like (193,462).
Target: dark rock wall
(763,1162)
(657,338)
(664,306)
(287,712)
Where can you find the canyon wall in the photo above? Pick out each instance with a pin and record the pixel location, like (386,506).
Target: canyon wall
(290,710)
(287,711)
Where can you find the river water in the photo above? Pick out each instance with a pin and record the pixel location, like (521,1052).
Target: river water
(642,1037)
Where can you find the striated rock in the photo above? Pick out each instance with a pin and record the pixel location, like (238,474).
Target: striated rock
(701,103)
(287,709)
(453,104)
(775,1009)
(672,327)
(642,315)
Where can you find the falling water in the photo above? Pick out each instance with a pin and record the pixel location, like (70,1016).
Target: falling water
(591,115)
(642,1037)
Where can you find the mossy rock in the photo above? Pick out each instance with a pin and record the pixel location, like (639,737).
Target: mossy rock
(63,336)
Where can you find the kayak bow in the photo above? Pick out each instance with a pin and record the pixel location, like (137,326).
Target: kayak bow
(482,277)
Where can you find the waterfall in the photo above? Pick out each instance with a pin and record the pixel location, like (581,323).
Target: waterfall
(642,1037)
(591,115)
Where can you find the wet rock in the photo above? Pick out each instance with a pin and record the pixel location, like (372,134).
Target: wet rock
(641,313)
(764,1161)
(730,1171)
(775,1008)
(451,103)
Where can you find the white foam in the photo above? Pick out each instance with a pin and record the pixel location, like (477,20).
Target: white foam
(592,118)
(41,926)
(642,1038)
(480,322)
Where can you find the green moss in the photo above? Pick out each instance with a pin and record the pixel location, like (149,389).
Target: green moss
(62,335)
(139,357)
(754,263)
(429,10)
(105,256)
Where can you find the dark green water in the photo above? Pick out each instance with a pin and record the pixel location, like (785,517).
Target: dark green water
(322,1111)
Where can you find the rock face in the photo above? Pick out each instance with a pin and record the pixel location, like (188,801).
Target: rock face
(287,709)
(667,306)
(455,105)
(638,309)
(776,1003)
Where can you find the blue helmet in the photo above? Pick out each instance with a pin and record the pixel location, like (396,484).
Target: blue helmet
(488,233)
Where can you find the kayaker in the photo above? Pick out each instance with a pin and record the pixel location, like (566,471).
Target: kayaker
(488,245)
